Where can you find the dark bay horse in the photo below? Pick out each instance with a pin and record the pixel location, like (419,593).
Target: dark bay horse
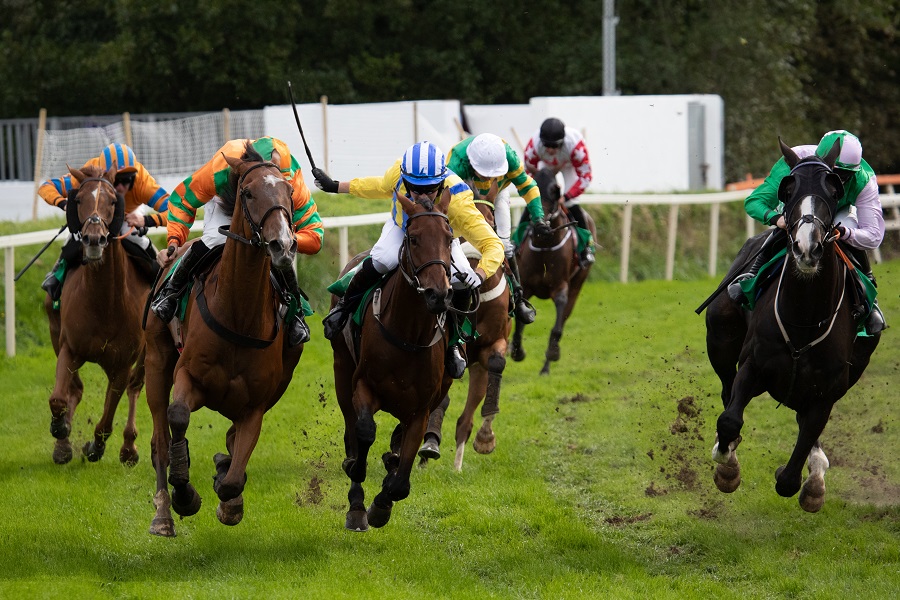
(486,353)
(99,318)
(799,343)
(398,364)
(236,360)
(550,268)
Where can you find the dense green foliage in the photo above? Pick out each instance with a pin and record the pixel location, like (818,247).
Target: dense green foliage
(600,486)
(794,68)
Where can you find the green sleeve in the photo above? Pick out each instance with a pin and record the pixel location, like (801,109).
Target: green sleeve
(763,204)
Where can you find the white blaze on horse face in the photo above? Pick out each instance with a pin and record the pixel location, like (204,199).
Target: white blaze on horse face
(272,180)
(806,232)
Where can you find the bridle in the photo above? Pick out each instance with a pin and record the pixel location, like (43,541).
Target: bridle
(256,238)
(412,275)
(94,218)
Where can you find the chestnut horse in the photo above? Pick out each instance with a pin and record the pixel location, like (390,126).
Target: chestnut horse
(235,360)
(799,343)
(549,266)
(398,363)
(486,353)
(99,318)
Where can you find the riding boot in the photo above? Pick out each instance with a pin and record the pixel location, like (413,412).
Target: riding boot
(769,247)
(69,258)
(365,278)
(51,284)
(586,258)
(165,303)
(875,321)
(297,329)
(524,310)
(455,360)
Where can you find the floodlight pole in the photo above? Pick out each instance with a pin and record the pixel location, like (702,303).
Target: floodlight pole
(610,20)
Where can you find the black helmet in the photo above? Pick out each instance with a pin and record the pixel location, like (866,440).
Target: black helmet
(553,132)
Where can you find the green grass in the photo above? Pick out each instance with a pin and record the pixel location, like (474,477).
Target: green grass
(599,487)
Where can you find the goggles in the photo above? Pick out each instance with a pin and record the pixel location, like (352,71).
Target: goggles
(126,179)
(552,143)
(423,189)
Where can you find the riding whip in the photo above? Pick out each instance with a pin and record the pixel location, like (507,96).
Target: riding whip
(312,163)
(47,245)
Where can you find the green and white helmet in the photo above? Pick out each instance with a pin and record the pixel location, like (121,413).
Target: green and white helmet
(851,149)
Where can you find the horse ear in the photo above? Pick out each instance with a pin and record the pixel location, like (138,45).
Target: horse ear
(790,156)
(234,163)
(444,204)
(406,204)
(834,181)
(833,153)
(111,173)
(77,174)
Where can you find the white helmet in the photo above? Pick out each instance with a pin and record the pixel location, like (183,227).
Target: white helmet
(487,155)
(851,150)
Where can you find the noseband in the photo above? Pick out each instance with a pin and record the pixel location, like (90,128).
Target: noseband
(413,278)
(256,239)
(94,218)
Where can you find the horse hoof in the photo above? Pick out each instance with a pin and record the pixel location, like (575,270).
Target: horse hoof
(128,456)
(93,451)
(62,452)
(430,449)
(484,443)
(186,502)
(727,478)
(517,354)
(812,495)
(357,520)
(59,428)
(786,489)
(379,516)
(546,369)
(231,511)
(164,527)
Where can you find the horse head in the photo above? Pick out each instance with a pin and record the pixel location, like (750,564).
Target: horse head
(550,199)
(95,210)
(810,194)
(425,254)
(264,197)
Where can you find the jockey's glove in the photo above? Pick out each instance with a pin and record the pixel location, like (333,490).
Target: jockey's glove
(469,278)
(541,227)
(62,205)
(324,182)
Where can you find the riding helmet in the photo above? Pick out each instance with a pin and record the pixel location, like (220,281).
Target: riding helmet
(851,149)
(553,131)
(423,164)
(487,155)
(120,155)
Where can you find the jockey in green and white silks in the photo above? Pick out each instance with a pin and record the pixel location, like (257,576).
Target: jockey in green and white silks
(859,217)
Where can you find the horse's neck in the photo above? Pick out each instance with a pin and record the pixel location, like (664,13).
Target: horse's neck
(105,282)
(243,286)
(403,311)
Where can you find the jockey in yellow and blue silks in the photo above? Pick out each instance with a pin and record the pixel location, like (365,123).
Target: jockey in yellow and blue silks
(138,187)
(420,172)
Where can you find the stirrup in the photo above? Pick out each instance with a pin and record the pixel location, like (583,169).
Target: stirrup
(587,258)
(335,321)
(875,323)
(734,288)
(454,362)
(298,331)
(525,311)
(52,286)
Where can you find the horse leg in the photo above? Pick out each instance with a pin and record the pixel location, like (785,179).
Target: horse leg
(117,380)
(727,476)
(485,441)
(431,444)
(517,351)
(160,365)
(63,400)
(726,329)
(359,435)
(185,499)
(466,420)
(128,453)
(560,300)
(395,486)
(787,477)
(812,493)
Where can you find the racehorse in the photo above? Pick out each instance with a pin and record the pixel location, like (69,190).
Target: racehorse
(486,353)
(99,318)
(549,266)
(397,364)
(799,343)
(235,359)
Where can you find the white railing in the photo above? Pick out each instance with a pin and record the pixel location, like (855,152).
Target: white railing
(889,200)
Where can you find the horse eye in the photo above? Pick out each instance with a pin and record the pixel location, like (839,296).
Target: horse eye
(413,240)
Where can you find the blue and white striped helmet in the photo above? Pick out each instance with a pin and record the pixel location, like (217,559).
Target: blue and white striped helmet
(423,164)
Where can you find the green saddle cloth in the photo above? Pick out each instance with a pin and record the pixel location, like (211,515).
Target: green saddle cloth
(584,235)
(753,286)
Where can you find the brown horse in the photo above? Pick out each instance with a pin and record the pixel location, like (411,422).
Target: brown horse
(486,354)
(799,343)
(398,363)
(235,360)
(549,266)
(99,318)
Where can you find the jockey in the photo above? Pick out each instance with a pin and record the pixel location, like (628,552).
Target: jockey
(561,149)
(483,159)
(135,183)
(205,187)
(420,173)
(859,218)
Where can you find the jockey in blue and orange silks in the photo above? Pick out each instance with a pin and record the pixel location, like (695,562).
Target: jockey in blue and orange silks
(135,183)
(420,172)
(204,188)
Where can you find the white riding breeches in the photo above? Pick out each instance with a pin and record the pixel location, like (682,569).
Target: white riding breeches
(213,218)
(503,220)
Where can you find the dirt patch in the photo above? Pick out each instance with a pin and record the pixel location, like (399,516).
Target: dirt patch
(312,495)
(619,521)
(575,399)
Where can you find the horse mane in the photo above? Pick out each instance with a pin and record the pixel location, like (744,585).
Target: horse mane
(229,194)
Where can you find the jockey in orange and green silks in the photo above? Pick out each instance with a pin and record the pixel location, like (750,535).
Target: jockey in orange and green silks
(212,178)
